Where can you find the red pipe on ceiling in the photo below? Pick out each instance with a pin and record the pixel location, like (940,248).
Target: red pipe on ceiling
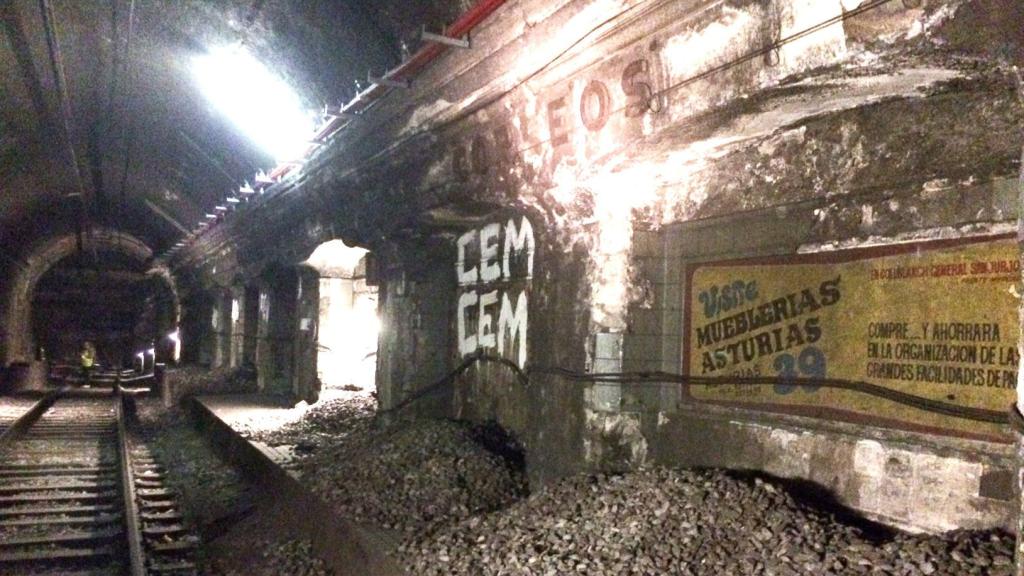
(406,71)
(461,27)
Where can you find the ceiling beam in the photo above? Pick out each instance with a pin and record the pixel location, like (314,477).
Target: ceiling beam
(166,216)
(10,21)
(210,159)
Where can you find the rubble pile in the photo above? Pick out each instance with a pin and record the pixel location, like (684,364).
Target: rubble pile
(406,476)
(329,422)
(191,380)
(458,509)
(665,521)
(413,476)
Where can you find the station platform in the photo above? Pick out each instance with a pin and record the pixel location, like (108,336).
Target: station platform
(251,414)
(233,422)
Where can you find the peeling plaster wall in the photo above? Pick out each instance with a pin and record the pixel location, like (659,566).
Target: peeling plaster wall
(912,482)
(594,118)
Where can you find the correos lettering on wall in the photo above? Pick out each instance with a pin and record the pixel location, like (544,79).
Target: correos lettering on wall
(494,268)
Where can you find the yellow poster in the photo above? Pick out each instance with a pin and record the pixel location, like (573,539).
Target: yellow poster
(936,320)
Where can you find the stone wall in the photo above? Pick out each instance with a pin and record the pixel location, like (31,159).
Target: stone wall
(637,138)
(916,481)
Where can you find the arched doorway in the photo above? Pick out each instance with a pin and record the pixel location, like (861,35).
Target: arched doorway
(348,322)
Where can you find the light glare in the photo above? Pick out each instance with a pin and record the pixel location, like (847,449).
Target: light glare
(262,106)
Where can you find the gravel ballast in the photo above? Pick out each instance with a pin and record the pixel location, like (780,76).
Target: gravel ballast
(278,557)
(14,407)
(216,497)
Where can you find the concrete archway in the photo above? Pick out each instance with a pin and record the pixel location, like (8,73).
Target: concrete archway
(16,339)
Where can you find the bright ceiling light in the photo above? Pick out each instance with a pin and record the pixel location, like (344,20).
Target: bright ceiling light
(262,106)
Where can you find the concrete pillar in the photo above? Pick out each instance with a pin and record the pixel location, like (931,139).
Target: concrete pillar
(251,311)
(221,326)
(1019,432)
(166,319)
(205,338)
(237,350)
(263,357)
(275,353)
(306,384)
(390,365)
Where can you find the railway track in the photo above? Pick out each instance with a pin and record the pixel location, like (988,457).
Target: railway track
(79,495)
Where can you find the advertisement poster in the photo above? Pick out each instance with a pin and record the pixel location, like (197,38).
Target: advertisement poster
(938,320)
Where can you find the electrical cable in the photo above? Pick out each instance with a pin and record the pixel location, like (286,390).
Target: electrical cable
(57,66)
(660,379)
(112,94)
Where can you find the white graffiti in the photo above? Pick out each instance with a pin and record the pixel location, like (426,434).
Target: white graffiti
(494,269)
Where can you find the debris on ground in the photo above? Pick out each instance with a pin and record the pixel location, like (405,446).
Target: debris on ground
(457,505)
(192,380)
(293,557)
(405,476)
(664,521)
(279,558)
(412,477)
(328,422)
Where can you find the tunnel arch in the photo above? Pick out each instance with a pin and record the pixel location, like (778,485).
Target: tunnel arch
(167,308)
(17,343)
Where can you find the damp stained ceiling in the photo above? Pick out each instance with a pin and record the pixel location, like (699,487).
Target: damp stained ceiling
(153,155)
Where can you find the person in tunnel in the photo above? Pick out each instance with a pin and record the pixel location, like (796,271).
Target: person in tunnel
(87,358)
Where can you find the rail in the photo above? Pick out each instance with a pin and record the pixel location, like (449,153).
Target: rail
(31,415)
(133,529)
(79,493)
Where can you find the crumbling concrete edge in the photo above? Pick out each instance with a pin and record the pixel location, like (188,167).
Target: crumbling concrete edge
(346,548)
(26,420)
